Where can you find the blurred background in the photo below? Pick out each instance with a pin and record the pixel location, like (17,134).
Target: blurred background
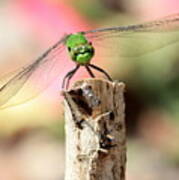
(32,133)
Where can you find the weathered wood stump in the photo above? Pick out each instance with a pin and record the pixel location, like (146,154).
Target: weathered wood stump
(95,131)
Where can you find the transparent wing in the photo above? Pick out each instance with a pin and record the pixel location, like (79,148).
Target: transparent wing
(136,40)
(132,40)
(14,88)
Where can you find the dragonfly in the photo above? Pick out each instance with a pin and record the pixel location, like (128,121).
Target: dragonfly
(82,47)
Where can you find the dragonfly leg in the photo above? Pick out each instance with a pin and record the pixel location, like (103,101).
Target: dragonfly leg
(68,76)
(89,71)
(100,70)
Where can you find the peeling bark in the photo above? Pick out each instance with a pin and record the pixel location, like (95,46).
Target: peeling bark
(95,131)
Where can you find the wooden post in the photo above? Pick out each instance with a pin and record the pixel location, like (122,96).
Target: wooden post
(95,131)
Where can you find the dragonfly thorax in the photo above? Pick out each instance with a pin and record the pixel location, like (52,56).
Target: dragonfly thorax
(80,49)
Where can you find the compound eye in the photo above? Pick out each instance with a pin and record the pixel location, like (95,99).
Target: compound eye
(69,48)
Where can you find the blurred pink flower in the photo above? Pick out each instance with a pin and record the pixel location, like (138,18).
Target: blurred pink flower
(50,19)
(46,22)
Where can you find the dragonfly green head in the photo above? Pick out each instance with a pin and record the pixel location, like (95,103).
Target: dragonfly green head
(80,49)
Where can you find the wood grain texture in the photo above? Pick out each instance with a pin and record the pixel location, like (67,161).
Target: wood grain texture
(95,131)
